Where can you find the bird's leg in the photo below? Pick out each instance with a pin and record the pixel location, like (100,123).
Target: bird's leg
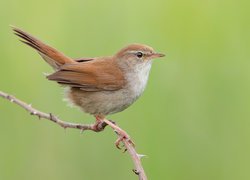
(123,135)
(99,124)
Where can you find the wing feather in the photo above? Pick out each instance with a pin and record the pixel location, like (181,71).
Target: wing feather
(94,75)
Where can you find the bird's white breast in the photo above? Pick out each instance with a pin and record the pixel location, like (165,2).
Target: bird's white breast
(137,79)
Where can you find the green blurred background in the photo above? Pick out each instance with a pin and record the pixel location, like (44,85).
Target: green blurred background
(193,121)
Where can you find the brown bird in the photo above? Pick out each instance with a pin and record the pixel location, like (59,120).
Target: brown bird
(102,85)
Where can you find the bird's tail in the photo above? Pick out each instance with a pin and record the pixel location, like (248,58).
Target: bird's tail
(52,56)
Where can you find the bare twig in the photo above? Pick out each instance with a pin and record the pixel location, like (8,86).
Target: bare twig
(50,116)
(129,145)
(97,127)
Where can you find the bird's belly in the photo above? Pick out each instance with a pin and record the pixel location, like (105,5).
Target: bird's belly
(102,102)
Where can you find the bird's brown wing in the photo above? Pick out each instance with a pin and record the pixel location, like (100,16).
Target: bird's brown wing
(95,75)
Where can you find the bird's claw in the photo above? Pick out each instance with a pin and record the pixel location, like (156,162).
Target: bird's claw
(121,139)
(122,136)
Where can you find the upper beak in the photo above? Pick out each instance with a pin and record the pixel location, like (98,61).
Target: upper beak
(157,55)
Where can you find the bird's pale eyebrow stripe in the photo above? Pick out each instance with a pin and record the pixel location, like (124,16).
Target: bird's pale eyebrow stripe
(134,52)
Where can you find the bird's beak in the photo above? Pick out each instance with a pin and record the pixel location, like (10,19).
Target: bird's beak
(157,55)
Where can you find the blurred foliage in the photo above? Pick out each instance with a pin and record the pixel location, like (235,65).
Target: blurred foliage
(193,121)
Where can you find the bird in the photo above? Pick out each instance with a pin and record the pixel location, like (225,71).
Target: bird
(100,86)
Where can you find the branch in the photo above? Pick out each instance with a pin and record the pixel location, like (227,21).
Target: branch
(97,127)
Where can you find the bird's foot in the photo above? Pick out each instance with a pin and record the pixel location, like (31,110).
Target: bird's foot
(123,135)
(99,125)
(122,138)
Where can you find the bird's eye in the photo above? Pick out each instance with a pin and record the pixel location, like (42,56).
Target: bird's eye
(139,54)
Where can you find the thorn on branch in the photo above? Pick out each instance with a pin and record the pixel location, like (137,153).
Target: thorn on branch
(10,98)
(81,131)
(141,155)
(79,127)
(136,171)
(33,113)
(51,116)
(113,122)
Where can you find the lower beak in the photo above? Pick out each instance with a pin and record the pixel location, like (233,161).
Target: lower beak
(157,55)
